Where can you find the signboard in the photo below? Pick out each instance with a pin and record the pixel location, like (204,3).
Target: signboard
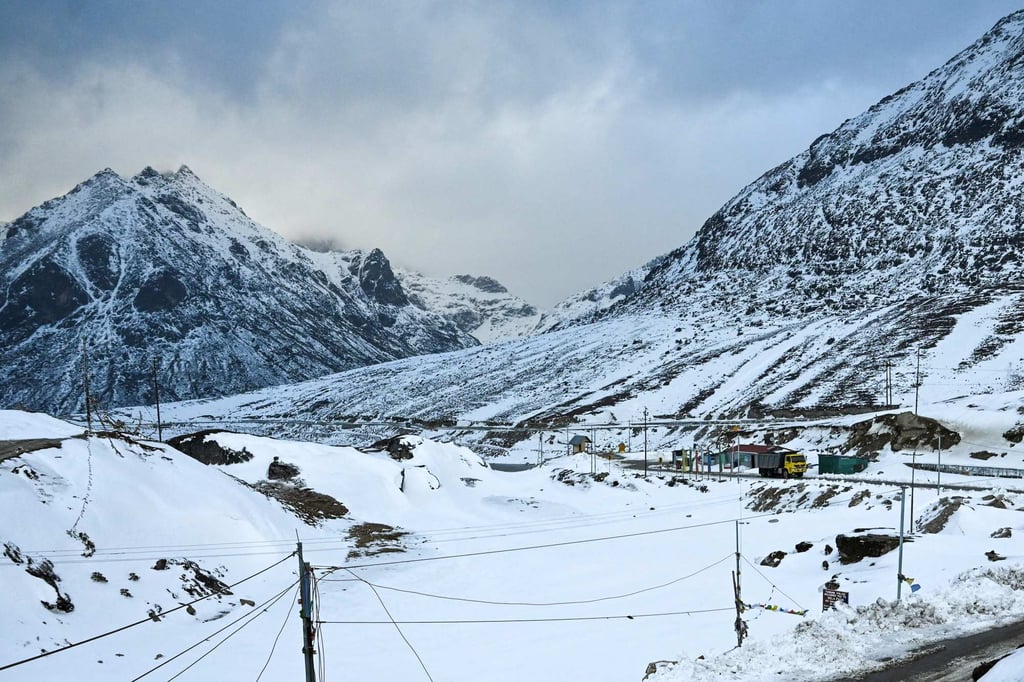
(829,598)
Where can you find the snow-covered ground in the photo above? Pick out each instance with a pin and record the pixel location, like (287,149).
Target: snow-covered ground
(547,574)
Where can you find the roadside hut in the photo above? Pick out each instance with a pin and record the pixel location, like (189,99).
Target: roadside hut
(578,444)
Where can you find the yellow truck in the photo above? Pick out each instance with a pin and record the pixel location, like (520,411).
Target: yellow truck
(781,463)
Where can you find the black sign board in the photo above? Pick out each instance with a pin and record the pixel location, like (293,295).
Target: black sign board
(829,598)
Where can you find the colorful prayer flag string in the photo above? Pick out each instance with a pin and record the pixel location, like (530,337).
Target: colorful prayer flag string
(775,607)
(914,587)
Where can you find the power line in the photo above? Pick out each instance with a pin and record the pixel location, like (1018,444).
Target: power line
(252,615)
(278,637)
(147,551)
(632,616)
(393,622)
(557,603)
(151,557)
(565,543)
(319,633)
(140,622)
(774,586)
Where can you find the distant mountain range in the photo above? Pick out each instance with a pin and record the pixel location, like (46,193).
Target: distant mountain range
(880,265)
(160,275)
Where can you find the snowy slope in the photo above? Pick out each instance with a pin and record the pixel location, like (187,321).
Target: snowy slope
(550,561)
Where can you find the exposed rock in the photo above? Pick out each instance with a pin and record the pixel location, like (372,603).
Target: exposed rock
(937,515)
(997,501)
(903,431)
(774,559)
(196,446)
(853,548)
(398,448)
(803,546)
(281,471)
(994,555)
(1003,533)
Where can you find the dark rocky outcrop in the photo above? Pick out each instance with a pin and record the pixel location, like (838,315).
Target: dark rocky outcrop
(281,471)
(196,446)
(900,432)
(853,548)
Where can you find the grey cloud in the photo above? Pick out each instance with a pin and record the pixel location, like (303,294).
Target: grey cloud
(550,145)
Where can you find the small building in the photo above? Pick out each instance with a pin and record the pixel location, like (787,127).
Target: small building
(578,444)
(837,464)
(738,455)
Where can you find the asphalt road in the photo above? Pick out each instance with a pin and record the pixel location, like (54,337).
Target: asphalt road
(952,660)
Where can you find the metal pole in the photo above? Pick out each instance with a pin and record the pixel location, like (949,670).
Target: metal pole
(917,381)
(913,471)
(899,570)
(156,395)
(306,609)
(645,442)
(88,396)
(740,626)
(938,469)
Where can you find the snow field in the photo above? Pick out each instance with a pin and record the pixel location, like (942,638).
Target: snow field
(505,576)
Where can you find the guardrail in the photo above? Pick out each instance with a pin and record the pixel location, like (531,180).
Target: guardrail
(969,470)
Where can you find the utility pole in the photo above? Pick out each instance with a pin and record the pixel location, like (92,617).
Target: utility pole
(156,395)
(88,396)
(645,442)
(899,570)
(888,382)
(540,448)
(938,469)
(305,612)
(740,625)
(917,382)
(913,471)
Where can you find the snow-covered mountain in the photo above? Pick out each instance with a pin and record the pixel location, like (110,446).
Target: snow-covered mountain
(880,261)
(162,268)
(479,306)
(919,197)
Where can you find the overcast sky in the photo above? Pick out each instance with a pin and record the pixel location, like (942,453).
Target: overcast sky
(551,145)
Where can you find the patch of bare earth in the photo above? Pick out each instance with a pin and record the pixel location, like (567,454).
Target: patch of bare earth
(312,507)
(372,539)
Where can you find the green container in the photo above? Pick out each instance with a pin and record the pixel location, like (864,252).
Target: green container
(834,464)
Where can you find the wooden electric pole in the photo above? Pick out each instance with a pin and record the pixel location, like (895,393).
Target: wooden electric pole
(740,625)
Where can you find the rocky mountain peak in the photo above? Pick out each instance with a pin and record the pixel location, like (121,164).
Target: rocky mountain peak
(377,279)
(163,265)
